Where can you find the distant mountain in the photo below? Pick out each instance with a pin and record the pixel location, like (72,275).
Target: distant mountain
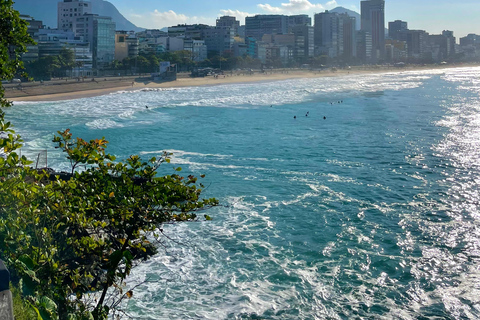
(351,13)
(105,8)
(47,12)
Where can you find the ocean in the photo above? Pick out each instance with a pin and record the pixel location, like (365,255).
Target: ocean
(364,206)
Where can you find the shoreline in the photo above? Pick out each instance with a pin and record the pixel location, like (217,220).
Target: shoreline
(77,90)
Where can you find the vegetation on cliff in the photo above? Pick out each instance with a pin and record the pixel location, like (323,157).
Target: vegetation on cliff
(70,243)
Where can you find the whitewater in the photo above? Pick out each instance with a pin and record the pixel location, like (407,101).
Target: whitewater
(365,205)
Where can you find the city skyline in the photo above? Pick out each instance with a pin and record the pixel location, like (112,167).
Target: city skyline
(430,15)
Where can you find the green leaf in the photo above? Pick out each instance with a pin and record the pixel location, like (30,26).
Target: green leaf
(27,261)
(48,304)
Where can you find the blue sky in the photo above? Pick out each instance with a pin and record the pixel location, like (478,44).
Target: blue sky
(461,16)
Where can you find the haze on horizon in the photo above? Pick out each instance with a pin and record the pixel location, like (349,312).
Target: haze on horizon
(434,16)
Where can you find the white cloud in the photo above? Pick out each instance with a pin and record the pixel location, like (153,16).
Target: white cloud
(168,17)
(331,4)
(240,15)
(354,8)
(158,19)
(301,6)
(297,6)
(269,8)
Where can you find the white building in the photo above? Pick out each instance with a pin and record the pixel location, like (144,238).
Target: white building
(197,48)
(69,11)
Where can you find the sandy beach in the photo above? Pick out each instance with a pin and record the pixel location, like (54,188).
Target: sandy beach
(71,89)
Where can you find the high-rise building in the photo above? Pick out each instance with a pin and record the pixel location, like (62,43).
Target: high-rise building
(218,39)
(395,27)
(298,20)
(304,37)
(364,45)
(417,43)
(470,40)
(327,34)
(373,22)
(348,50)
(451,41)
(259,25)
(228,21)
(442,45)
(69,11)
(100,33)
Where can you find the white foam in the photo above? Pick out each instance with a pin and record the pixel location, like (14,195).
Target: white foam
(103,124)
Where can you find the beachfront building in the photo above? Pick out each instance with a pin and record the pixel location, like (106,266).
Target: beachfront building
(163,44)
(259,25)
(99,31)
(347,43)
(298,20)
(327,34)
(187,31)
(274,55)
(363,46)
(395,51)
(304,46)
(69,10)
(335,36)
(279,49)
(126,45)
(33,28)
(153,41)
(373,22)
(198,49)
(417,44)
(470,47)
(230,22)
(51,42)
(218,40)
(470,40)
(395,27)
(442,46)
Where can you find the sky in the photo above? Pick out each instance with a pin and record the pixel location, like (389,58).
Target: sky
(460,16)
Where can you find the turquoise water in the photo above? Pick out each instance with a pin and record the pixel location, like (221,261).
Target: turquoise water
(371,213)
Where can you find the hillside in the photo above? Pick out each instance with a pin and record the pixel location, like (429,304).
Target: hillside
(47,12)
